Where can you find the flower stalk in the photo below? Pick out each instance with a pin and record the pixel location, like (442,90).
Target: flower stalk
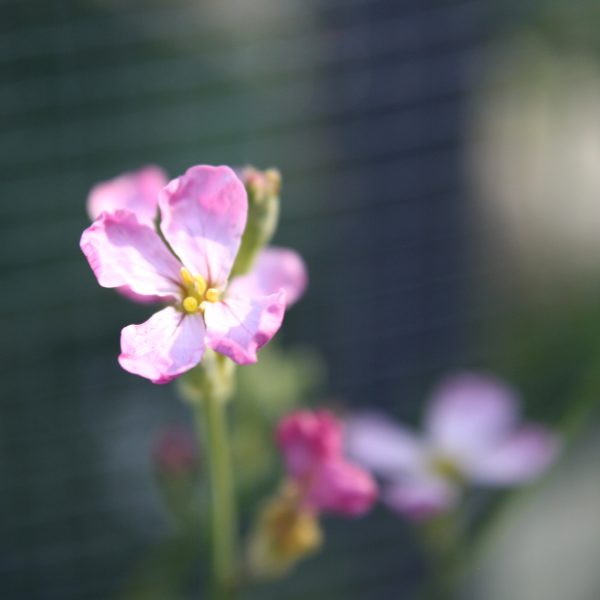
(208,388)
(443,540)
(198,245)
(223,509)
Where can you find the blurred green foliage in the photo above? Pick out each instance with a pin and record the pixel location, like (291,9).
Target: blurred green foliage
(281,382)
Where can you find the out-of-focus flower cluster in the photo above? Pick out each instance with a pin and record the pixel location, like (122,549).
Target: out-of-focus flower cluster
(199,245)
(319,480)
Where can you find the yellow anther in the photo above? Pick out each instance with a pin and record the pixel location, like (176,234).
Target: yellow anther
(186,277)
(200,284)
(212,295)
(190,304)
(195,292)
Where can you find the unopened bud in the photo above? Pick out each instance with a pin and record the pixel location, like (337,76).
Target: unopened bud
(175,452)
(263,189)
(261,185)
(177,468)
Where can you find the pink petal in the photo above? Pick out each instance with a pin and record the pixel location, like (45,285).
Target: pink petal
(380,445)
(275,269)
(203,217)
(307,438)
(168,344)
(136,191)
(470,413)
(421,498)
(124,252)
(128,293)
(238,326)
(342,488)
(522,457)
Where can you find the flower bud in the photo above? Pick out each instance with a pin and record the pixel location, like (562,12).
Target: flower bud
(175,452)
(311,444)
(177,467)
(308,438)
(285,533)
(263,189)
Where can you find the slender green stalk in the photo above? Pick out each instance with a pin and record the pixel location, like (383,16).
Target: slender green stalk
(211,419)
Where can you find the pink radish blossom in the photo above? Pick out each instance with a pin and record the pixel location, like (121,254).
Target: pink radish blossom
(202,218)
(138,191)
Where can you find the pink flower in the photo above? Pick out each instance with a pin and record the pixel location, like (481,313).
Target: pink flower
(311,443)
(275,269)
(203,215)
(138,191)
(472,435)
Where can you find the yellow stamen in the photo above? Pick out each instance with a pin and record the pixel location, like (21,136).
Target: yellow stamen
(195,292)
(186,277)
(190,304)
(212,295)
(200,284)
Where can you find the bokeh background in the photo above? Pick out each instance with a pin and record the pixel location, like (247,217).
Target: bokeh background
(441,178)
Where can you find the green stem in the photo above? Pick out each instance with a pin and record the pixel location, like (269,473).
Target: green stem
(442,538)
(211,418)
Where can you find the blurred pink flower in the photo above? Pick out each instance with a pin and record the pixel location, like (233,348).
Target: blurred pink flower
(175,451)
(311,443)
(138,191)
(203,216)
(472,435)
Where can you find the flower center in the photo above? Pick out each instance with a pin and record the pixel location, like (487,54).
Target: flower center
(196,292)
(447,468)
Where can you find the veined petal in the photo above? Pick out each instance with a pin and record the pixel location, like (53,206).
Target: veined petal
(168,344)
(124,252)
(421,498)
(522,457)
(340,487)
(382,446)
(204,214)
(136,191)
(470,413)
(275,269)
(238,326)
